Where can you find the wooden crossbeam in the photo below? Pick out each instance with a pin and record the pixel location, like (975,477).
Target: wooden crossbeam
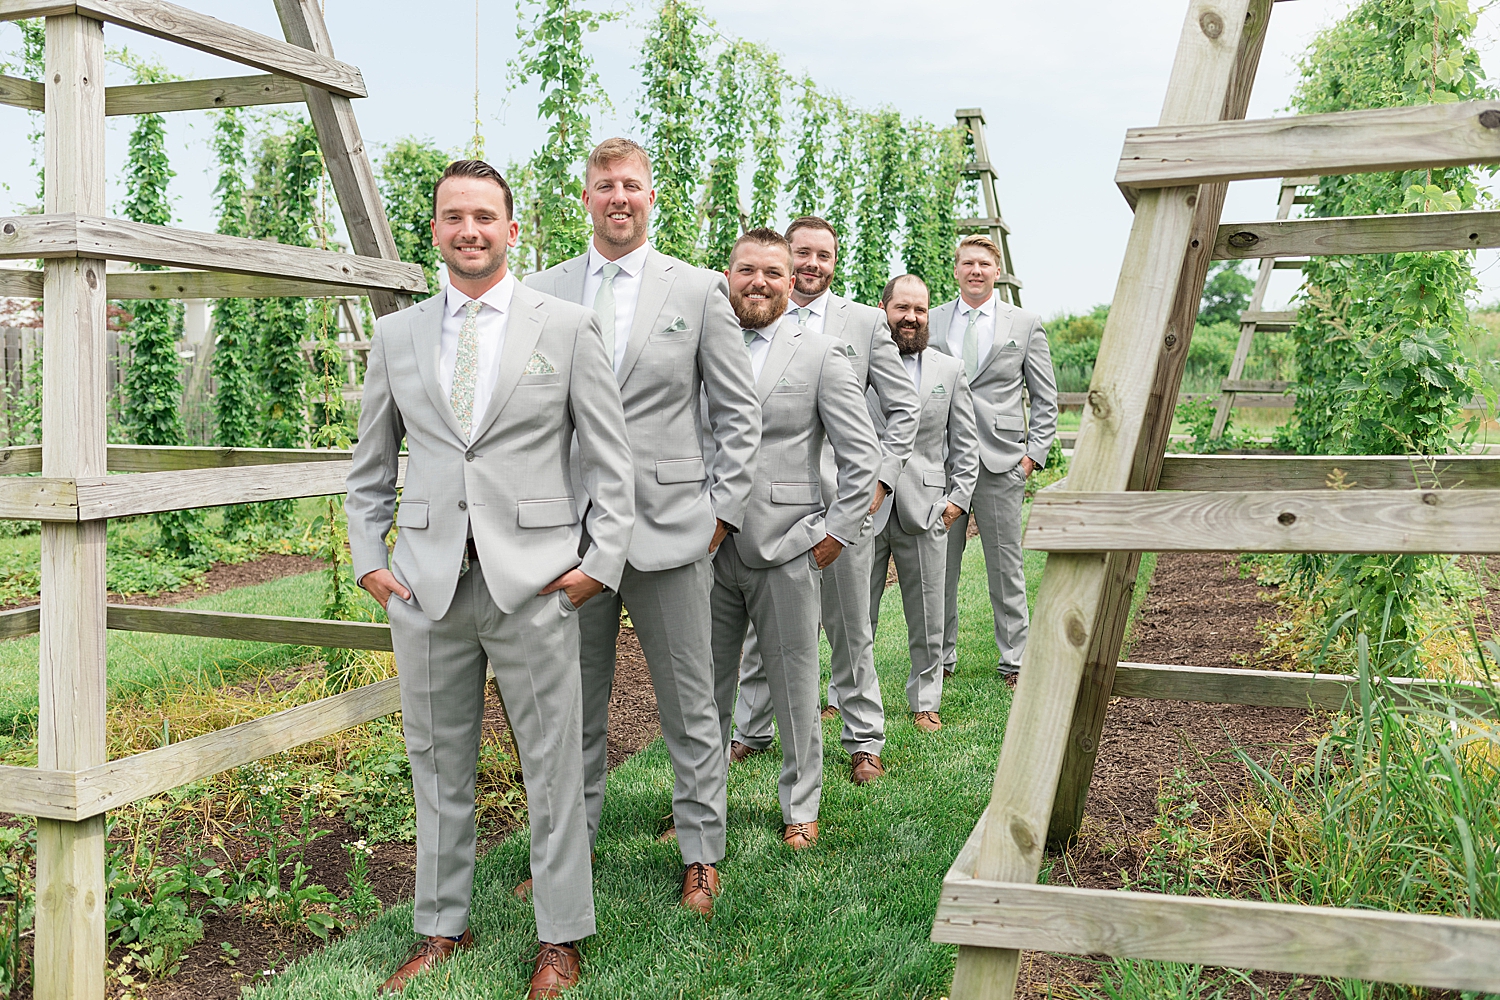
(19,92)
(1447,521)
(42,792)
(1255,385)
(61,236)
(206,34)
(38,499)
(1355,234)
(163,98)
(1342,142)
(155,492)
(1277,689)
(135,285)
(1314,472)
(1416,949)
(250,628)
(160,458)
(20,621)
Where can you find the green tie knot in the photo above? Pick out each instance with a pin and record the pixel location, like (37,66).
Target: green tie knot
(750,336)
(610,270)
(802,313)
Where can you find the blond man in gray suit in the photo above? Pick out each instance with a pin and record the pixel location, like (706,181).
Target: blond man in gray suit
(488,383)
(1003,349)
(770,573)
(935,490)
(673,337)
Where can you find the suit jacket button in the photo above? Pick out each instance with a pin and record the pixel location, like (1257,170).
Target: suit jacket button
(468,456)
(463,505)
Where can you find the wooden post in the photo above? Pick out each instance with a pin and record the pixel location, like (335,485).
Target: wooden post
(993,224)
(69,957)
(1220,46)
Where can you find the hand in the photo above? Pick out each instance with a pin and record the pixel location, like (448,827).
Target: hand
(578,585)
(880,495)
(382,583)
(1027,467)
(721,532)
(826,551)
(951,513)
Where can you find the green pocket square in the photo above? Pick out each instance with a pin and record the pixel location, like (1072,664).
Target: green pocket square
(850,351)
(677,324)
(538,364)
(938,390)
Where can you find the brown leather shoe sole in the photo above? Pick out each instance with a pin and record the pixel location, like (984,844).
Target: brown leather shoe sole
(428,952)
(556,968)
(800,836)
(739,751)
(700,884)
(866,768)
(928,721)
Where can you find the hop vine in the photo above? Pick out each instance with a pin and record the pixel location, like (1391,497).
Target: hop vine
(673,67)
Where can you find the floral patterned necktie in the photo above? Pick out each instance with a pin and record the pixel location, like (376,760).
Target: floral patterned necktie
(466,369)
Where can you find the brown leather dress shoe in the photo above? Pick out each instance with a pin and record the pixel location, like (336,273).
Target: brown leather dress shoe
(739,751)
(700,884)
(556,969)
(949,672)
(428,952)
(799,836)
(928,721)
(829,712)
(867,768)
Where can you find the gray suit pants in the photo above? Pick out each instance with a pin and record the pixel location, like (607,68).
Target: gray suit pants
(853,685)
(441,665)
(919,568)
(996,508)
(782,604)
(670,612)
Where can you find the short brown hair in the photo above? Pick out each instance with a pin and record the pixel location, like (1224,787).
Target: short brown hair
(984,243)
(475,168)
(890,286)
(613,151)
(765,238)
(813,222)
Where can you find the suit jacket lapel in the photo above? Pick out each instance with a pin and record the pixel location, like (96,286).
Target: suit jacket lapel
(522,330)
(937,327)
(426,329)
(1003,319)
(784,345)
(929,377)
(837,318)
(656,283)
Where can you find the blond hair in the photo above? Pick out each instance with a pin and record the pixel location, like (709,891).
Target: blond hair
(984,243)
(612,151)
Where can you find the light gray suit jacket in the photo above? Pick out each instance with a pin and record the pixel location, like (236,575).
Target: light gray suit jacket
(511,486)
(809,394)
(866,337)
(1020,356)
(944,464)
(684,337)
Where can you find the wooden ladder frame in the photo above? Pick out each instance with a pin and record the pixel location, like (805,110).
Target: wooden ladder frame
(74,784)
(971,120)
(1175,176)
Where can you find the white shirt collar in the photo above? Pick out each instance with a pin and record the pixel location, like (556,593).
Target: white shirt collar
(987,308)
(817,306)
(497,297)
(631,263)
(768,333)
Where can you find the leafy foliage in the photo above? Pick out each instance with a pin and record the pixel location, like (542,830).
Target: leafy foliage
(722,197)
(1226,293)
(933,156)
(879,205)
(765,111)
(673,66)
(408,172)
(805,185)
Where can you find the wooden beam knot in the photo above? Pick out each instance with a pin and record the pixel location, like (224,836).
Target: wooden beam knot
(1490,118)
(1211,24)
(1287,518)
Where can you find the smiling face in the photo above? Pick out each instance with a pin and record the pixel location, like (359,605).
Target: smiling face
(976,271)
(814,256)
(618,197)
(906,312)
(760,281)
(472,231)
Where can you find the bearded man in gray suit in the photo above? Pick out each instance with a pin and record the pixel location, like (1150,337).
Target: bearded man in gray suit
(1003,349)
(770,573)
(853,687)
(934,491)
(672,336)
(488,384)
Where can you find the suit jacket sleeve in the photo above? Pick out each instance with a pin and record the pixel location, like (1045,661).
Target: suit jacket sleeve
(371,499)
(1041,384)
(963,445)
(856,449)
(898,403)
(603,454)
(733,411)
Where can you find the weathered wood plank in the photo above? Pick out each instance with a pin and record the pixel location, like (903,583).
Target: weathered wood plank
(120,782)
(1343,142)
(1256,385)
(250,628)
(21,283)
(21,458)
(38,498)
(64,235)
(22,93)
(153,492)
(1423,231)
(1449,521)
(215,285)
(1253,400)
(200,95)
(1315,472)
(1420,950)
(32,791)
(164,458)
(20,621)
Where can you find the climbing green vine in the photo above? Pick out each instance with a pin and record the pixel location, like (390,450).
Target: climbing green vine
(805,185)
(765,112)
(721,200)
(408,171)
(673,67)
(879,208)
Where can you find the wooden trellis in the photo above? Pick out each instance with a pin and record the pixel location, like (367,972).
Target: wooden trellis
(74,785)
(1175,176)
(993,224)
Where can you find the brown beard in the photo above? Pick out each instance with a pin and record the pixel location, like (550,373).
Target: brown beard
(911,341)
(757,315)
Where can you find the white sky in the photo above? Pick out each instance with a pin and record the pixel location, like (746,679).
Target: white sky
(1059,84)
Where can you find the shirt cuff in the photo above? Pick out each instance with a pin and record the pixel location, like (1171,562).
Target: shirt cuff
(836,538)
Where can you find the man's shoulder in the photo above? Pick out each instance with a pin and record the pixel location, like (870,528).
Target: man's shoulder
(556,309)
(944,364)
(546,278)
(686,277)
(861,313)
(429,309)
(1018,316)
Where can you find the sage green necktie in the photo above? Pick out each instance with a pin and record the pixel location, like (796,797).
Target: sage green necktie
(971,344)
(802,313)
(466,369)
(750,336)
(604,305)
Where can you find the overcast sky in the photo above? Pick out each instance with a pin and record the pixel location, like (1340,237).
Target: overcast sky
(1059,84)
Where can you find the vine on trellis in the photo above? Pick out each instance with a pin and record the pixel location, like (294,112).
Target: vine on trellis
(721,199)
(408,171)
(765,111)
(805,185)
(674,67)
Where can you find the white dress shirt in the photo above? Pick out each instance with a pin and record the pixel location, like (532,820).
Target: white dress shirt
(817,311)
(627,291)
(760,348)
(494,313)
(984,330)
(913,363)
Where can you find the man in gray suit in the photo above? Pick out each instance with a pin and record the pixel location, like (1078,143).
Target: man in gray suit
(853,687)
(934,491)
(488,383)
(672,335)
(769,574)
(1003,349)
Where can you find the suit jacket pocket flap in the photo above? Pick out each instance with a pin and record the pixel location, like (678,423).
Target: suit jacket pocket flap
(796,493)
(680,470)
(1009,422)
(412,514)
(547,513)
(935,477)
(785,386)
